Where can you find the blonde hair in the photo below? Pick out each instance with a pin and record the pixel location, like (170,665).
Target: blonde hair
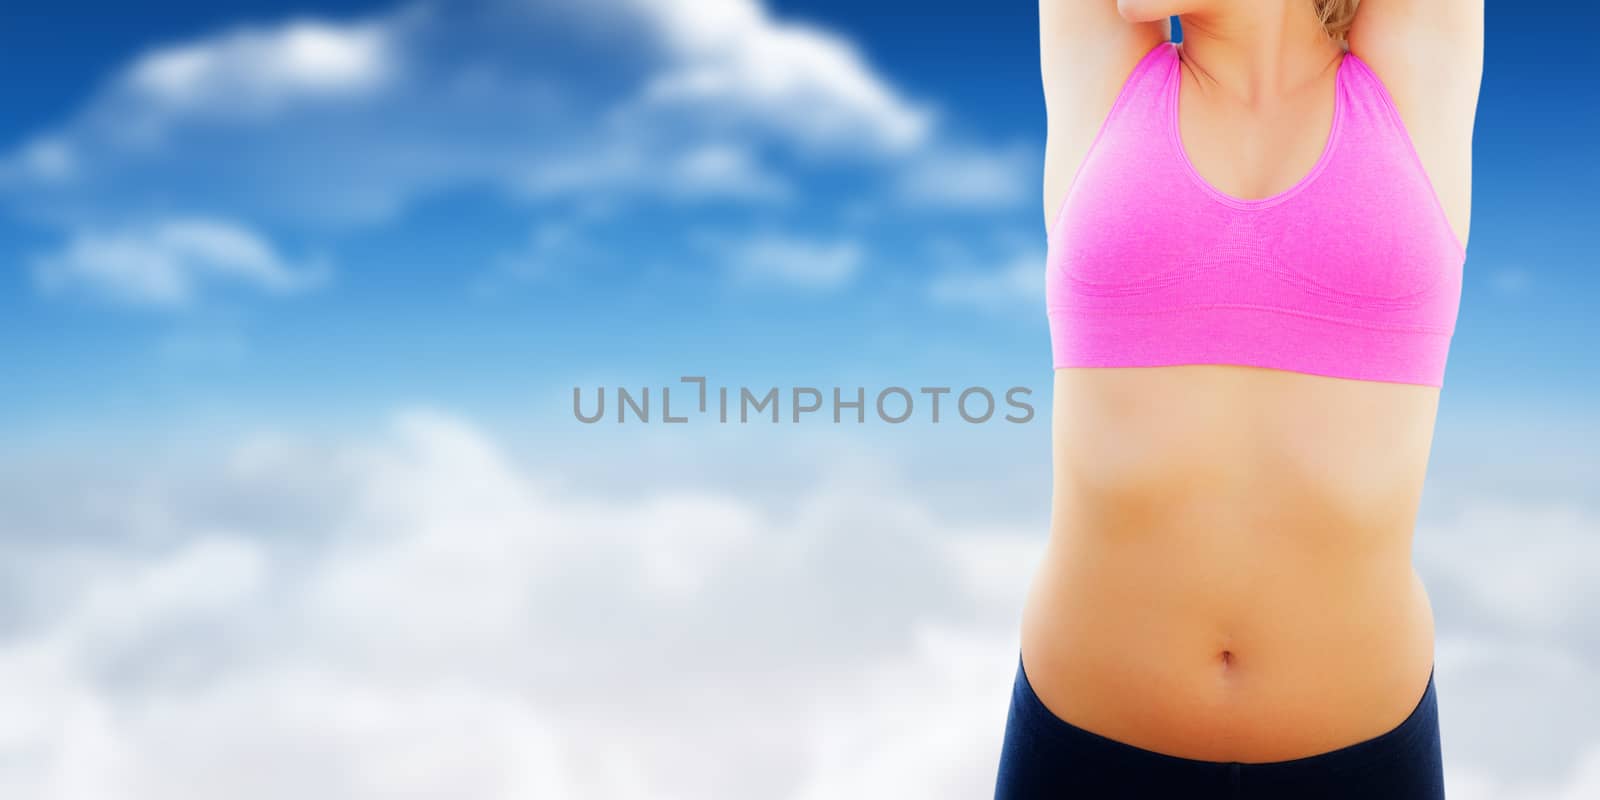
(1336,16)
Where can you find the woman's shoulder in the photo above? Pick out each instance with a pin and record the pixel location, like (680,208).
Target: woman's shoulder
(1427,53)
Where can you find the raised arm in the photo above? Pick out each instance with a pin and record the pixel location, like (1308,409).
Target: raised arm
(1086,50)
(1429,53)
(1434,38)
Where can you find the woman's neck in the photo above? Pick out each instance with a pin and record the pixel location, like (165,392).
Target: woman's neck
(1252,51)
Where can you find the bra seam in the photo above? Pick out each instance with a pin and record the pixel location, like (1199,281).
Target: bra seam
(1410,329)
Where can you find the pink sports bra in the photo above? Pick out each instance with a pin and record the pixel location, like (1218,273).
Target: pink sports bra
(1353,272)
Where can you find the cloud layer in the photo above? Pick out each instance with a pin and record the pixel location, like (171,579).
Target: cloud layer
(441,623)
(422,613)
(165,264)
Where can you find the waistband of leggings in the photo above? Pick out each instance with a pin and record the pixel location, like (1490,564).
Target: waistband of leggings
(1419,723)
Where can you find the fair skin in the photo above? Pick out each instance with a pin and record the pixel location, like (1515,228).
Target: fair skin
(1228,574)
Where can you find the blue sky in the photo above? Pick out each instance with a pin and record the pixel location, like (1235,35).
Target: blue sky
(407,305)
(297,296)
(454,283)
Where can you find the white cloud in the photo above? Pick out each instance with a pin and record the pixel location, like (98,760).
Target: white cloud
(1513,591)
(319,122)
(1545,563)
(1018,284)
(725,169)
(305,125)
(808,80)
(793,261)
(417,613)
(264,67)
(165,264)
(971,178)
(46,159)
(697,171)
(452,625)
(1471,782)
(927,724)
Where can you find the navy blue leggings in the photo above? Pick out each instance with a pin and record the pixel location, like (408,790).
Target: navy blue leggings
(1044,756)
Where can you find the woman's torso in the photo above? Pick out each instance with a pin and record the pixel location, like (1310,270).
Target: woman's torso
(1203,510)
(1228,575)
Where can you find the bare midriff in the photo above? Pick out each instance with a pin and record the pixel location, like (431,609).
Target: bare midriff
(1228,575)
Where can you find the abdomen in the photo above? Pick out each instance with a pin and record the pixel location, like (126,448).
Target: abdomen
(1228,575)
